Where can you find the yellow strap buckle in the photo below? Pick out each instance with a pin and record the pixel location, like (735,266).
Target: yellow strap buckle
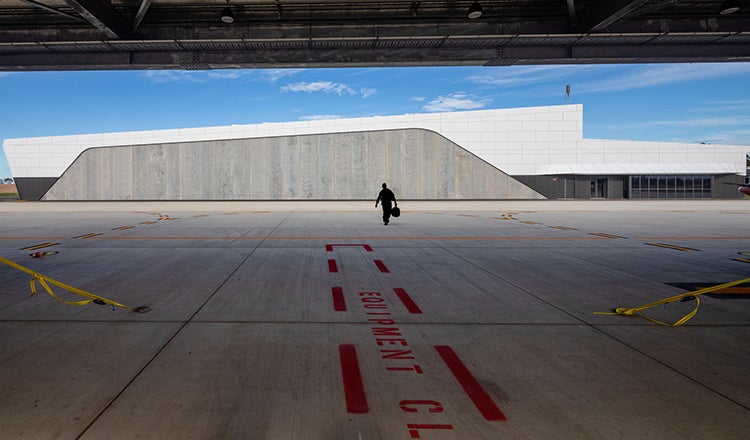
(684,297)
(45,282)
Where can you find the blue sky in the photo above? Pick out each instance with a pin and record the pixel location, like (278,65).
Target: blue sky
(660,102)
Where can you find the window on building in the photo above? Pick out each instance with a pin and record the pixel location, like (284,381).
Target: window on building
(670,187)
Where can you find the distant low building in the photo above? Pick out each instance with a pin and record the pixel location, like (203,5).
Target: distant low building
(523,153)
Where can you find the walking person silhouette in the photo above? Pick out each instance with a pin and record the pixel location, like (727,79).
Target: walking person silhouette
(386,196)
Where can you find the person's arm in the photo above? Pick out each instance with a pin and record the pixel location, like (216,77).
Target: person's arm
(377,200)
(395,203)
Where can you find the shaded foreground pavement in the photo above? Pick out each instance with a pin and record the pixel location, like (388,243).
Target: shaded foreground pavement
(313,320)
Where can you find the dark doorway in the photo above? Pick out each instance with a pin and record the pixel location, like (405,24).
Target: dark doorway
(598,187)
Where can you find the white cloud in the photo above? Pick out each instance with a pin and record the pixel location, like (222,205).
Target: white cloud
(417,98)
(658,75)
(319,86)
(224,75)
(606,78)
(455,101)
(521,75)
(319,117)
(367,92)
(726,121)
(276,74)
(196,76)
(736,105)
(732,102)
(327,87)
(165,76)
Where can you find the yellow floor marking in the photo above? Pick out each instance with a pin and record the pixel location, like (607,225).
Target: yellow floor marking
(669,246)
(602,234)
(32,238)
(38,246)
(87,235)
(122,228)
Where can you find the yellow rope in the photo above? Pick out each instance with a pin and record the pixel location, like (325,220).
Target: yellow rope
(45,281)
(639,310)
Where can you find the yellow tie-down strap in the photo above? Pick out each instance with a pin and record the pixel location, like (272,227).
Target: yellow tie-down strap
(46,281)
(684,297)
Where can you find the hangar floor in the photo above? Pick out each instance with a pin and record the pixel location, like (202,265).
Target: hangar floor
(312,320)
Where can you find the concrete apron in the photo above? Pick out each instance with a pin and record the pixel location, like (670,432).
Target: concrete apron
(313,320)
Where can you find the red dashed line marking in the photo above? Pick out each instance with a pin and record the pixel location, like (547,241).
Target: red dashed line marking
(332,267)
(469,383)
(339,303)
(354,388)
(381,266)
(409,303)
(395,351)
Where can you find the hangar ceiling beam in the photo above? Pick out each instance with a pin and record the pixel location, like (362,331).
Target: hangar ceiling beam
(572,12)
(145,4)
(606,13)
(102,16)
(188,34)
(52,10)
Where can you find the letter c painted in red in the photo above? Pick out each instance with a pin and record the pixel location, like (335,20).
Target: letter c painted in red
(437,407)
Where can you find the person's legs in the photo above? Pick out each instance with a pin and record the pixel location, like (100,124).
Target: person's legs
(386,212)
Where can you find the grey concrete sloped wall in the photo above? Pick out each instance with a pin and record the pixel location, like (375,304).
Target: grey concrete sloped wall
(416,164)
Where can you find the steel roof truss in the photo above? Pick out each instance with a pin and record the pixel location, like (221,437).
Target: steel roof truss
(102,16)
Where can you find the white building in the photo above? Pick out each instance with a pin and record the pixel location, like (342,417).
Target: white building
(542,147)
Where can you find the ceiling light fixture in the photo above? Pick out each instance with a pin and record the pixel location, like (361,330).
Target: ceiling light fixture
(475,11)
(227,16)
(729,7)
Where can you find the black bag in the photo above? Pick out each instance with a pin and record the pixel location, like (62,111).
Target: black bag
(395,212)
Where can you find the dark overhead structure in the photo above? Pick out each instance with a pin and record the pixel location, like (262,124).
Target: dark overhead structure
(217,34)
